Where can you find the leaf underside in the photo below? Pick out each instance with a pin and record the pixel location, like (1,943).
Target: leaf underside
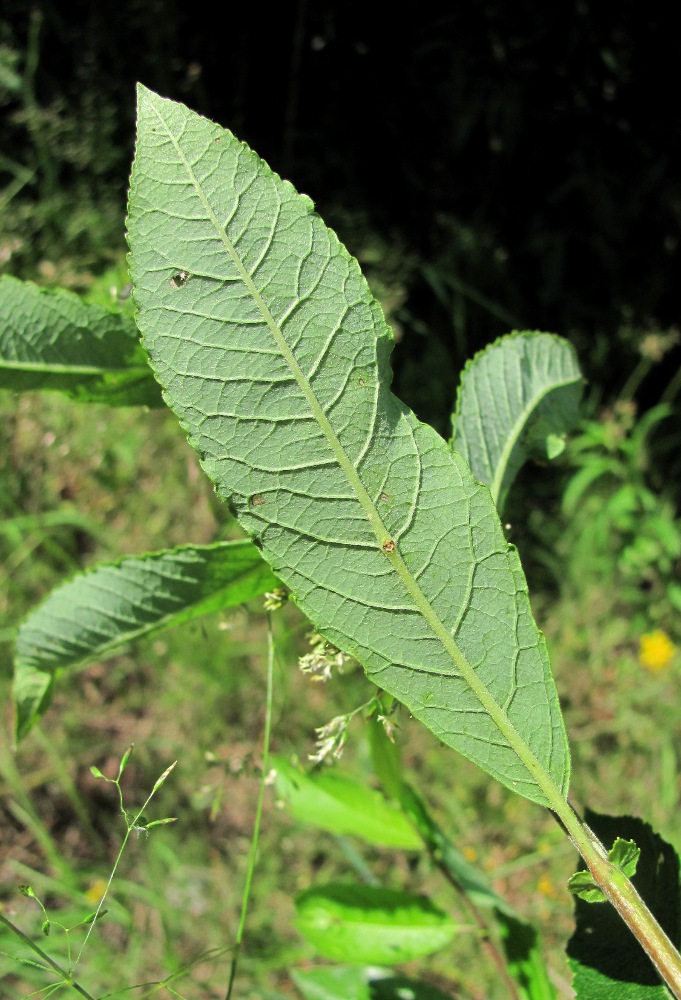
(54,340)
(274,355)
(513,396)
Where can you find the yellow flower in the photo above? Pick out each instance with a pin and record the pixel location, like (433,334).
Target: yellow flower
(95,891)
(547,887)
(656,650)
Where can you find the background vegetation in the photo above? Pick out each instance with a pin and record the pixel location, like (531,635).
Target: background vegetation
(497,166)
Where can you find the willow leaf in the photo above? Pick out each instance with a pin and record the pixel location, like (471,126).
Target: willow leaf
(275,356)
(96,613)
(519,396)
(54,340)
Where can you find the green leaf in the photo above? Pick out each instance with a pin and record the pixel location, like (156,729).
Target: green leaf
(54,340)
(330,801)
(351,982)
(386,758)
(625,854)
(371,924)
(275,357)
(97,612)
(607,963)
(582,884)
(518,396)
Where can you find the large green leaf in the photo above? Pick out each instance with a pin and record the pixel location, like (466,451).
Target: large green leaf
(518,397)
(97,612)
(275,356)
(54,340)
(369,924)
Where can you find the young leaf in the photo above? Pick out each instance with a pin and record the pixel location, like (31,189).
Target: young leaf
(329,801)
(54,340)
(275,356)
(623,853)
(371,924)
(520,395)
(97,612)
(606,963)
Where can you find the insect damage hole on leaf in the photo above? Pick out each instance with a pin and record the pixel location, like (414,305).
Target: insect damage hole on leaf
(179,280)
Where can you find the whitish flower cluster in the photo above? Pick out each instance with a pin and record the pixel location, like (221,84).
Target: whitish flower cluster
(323,659)
(331,739)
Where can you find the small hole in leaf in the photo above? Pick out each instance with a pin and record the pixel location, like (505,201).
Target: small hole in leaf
(179,280)
(258,500)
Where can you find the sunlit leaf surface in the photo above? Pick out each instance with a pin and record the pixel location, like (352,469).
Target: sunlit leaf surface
(275,356)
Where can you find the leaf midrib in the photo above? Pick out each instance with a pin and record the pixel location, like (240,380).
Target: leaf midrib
(542,778)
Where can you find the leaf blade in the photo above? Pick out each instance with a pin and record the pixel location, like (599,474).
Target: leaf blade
(97,612)
(53,340)
(337,803)
(520,393)
(374,925)
(275,357)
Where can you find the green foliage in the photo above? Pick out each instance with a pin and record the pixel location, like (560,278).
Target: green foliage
(63,973)
(519,396)
(619,518)
(330,801)
(338,982)
(96,613)
(41,347)
(623,854)
(373,924)
(272,351)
